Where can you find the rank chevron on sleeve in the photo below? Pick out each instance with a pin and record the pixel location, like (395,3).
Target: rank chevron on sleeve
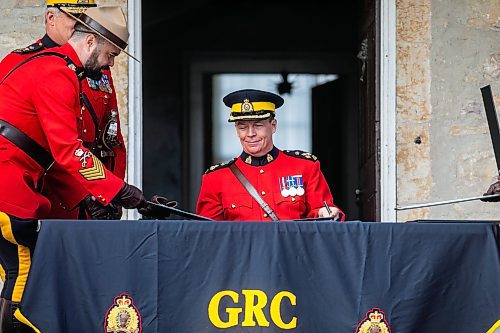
(96,172)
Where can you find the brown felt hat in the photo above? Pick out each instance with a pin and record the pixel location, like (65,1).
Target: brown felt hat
(109,23)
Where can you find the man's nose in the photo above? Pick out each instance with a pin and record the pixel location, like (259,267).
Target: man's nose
(251,131)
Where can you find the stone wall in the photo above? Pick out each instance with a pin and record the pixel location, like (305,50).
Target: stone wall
(446,51)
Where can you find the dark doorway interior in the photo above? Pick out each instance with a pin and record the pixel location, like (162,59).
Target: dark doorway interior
(185,43)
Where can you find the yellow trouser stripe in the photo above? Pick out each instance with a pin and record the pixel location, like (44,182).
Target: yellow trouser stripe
(23,254)
(2,273)
(494,327)
(25,320)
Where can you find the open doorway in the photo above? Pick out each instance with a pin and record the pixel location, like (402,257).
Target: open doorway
(186,44)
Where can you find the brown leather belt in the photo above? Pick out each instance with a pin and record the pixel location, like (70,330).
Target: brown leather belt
(26,144)
(253,192)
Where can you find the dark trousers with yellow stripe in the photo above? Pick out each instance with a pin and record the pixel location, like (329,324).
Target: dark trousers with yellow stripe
(16,249)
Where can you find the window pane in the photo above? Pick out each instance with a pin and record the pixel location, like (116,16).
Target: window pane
(294,117)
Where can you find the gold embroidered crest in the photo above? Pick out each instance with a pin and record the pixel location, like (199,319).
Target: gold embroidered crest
(123,316)
(374,322)
(246,106)
(248,160)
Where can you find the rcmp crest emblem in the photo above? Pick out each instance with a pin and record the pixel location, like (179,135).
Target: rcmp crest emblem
(246,106)
(374,322)
(123,316)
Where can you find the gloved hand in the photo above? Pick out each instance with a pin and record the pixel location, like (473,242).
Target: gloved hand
(151,213)
(493,189)
(98,211)
(129,197)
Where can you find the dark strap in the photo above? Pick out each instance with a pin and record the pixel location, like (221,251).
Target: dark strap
(79,71)
(253,192)
(26,144)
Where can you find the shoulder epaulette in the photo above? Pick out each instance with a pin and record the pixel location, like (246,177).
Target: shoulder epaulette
(220,165)
(35,47)
(301,154)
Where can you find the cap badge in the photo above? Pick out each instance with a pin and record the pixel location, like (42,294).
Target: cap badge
(246,106)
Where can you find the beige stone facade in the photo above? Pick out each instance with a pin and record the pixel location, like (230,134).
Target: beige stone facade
(446,51)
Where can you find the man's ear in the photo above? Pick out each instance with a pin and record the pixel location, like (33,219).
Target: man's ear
(49,17)
(274,124)
(90,41)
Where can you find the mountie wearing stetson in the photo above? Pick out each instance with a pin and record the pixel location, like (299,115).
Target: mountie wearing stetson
(39,104)
(98,120)
(263,183)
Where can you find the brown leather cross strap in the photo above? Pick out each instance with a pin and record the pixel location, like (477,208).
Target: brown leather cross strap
(253,192)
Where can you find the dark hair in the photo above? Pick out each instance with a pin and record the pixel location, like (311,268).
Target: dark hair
(81,30)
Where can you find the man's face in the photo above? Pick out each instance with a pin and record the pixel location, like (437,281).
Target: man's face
(60,26)
(102,55)
(256,137)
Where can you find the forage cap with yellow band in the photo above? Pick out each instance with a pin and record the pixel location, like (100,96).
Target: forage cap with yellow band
(72,6)
(251,104)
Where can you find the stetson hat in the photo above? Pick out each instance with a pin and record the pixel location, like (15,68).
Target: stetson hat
(109,23)
(72,6)
(251,104)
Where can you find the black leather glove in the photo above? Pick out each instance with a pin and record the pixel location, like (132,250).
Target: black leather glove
(150,212)
(493,189)
(129,197)
(101,212)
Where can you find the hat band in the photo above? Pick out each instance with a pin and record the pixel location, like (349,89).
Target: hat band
(103,31)
(257,106)
(72,5)
(250,116)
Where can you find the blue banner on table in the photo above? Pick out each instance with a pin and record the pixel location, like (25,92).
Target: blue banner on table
(186,277)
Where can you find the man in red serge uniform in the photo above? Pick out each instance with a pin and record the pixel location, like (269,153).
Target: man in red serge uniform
(98,121)
(39,107)
(290,184)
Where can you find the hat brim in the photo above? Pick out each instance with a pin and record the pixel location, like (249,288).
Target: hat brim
(74,15)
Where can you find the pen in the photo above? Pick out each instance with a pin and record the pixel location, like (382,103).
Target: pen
(329,211)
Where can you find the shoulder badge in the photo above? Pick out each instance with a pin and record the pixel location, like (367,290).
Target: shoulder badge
(301,154)
(220,165)
(123,316)
(35,47)
(374,321)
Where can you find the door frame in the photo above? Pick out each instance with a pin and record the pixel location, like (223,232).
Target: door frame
(387,109)
(387,106)
(135,141)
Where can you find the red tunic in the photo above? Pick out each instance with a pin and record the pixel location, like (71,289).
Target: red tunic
(62,189)
(222,197)
(41,98)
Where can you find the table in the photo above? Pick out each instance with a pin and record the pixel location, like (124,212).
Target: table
(191,276)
